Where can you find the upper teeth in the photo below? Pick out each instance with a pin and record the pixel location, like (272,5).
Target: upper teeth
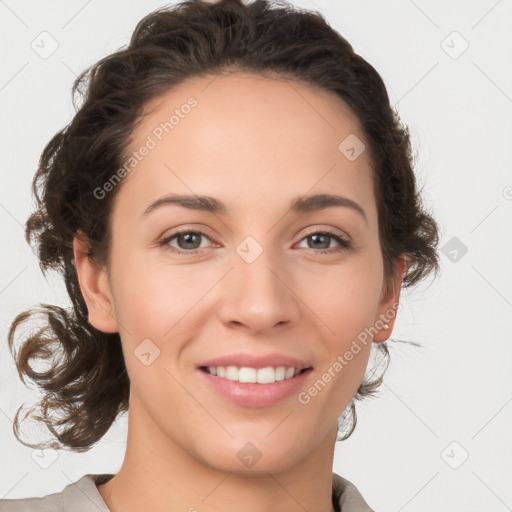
(266,375)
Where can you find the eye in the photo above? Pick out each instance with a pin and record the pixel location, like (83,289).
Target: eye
(190,241)
(322,239)
(186,238)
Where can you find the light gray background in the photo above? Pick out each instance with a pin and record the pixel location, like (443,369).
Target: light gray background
(439,404)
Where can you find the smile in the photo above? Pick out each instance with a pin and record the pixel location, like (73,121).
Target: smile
(241,386)
(245,374)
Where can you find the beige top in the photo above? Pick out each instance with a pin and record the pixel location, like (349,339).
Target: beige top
(83,496)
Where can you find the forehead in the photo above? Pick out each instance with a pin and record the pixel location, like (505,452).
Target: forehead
(240,136)
(252,104)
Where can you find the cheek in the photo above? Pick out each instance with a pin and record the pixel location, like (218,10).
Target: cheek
(152,299)
(346,311)
(348,315)
(345,298)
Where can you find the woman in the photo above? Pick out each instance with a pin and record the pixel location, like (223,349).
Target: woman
(234,210)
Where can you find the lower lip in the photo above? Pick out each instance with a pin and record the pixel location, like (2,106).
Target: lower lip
(248,394)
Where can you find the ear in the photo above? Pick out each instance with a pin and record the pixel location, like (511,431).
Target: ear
(95,287)
(389,301)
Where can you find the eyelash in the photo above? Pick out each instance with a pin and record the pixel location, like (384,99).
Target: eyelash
(344,244)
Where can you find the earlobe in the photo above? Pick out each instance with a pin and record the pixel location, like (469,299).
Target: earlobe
(389,303)
(95,288)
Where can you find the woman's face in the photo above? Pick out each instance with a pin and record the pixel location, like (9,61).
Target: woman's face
(256,278)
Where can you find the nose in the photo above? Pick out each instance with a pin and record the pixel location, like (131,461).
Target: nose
(258,293)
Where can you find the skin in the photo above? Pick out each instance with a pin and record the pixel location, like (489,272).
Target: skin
(255,143)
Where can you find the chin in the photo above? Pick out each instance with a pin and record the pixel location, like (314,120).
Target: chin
(256,457)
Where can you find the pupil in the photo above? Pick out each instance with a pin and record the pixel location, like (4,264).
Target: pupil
(321,236)
(187,237)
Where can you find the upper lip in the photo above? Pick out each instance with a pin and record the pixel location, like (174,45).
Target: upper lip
(256,361)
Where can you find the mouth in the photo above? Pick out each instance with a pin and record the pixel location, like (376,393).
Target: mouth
(246,374)
(255,387)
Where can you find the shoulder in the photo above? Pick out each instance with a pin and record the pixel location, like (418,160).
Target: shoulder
(347,496)
(80,496)
(83,496)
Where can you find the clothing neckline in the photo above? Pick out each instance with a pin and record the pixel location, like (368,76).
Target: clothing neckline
(345,495)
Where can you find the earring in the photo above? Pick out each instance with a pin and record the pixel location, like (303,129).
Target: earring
(385,326)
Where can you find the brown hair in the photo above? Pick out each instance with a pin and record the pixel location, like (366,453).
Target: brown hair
(86,385)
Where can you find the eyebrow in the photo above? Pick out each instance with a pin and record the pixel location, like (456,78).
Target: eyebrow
(301,204)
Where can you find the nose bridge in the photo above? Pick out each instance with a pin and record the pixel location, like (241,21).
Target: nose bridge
(257,266)
(256,294)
